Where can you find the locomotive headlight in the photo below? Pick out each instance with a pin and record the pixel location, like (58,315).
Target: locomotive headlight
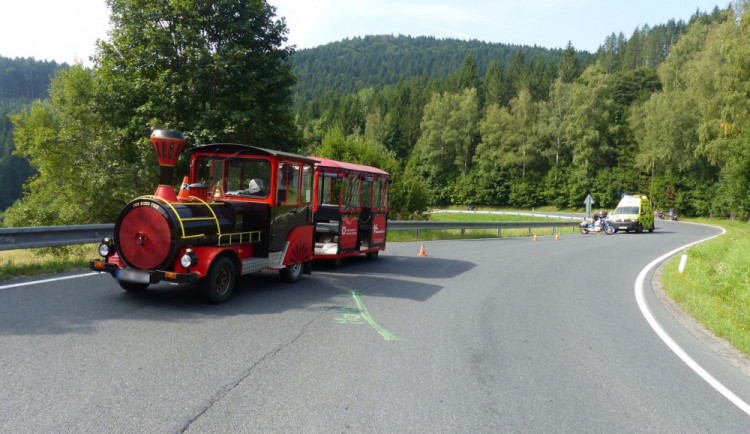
(106,248)
(189,259)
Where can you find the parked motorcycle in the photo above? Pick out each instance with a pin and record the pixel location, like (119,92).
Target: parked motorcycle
(672,215)
(599,225)
(659,215)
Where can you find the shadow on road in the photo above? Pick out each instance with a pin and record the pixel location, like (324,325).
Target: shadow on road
(399,266)
(79,306)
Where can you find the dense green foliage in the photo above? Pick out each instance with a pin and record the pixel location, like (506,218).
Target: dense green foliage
(375,61)
(13,170)
(21,81)
(662,112)
(214,70)
(25,79)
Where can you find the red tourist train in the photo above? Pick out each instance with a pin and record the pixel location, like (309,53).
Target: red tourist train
(243,209)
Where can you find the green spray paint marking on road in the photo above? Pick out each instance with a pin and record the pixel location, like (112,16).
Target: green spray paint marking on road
(352,316)
(388,336)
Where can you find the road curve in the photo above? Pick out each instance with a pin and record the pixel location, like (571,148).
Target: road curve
(480,335)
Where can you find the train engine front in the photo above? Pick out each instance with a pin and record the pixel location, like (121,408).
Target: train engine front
(199,237)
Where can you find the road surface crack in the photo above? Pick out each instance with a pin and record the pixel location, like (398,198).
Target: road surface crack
(218,396)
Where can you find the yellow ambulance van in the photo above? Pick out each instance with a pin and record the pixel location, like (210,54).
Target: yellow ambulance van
(633,213)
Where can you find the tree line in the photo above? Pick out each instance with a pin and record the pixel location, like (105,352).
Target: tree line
(504,125)
(550,130)
(350,65)
(21,81)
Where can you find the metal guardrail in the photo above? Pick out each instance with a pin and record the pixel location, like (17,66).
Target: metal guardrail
(53,236)
(417,226)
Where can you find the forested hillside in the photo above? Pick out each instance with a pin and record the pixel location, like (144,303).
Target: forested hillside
(21,81)
(524,127)
(375,61)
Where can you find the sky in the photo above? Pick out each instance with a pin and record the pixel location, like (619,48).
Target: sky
(67,30)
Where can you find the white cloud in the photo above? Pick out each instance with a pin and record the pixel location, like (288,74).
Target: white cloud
(67,30)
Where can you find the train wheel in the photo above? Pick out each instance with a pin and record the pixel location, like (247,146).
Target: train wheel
(372,255)
(219,282)
(133,287)
(291,273)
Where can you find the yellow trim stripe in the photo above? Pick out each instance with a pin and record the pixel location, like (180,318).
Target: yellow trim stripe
(180,219)
(216,219)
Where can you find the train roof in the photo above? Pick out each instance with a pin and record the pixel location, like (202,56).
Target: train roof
(239,150)
(324,162)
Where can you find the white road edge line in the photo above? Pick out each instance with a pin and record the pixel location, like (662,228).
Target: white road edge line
(34,282)
(736,400)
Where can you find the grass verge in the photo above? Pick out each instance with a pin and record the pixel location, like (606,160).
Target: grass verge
(450,217)
(33,262)
(715,285)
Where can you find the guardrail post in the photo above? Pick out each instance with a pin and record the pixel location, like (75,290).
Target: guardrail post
(417,233)
(499,235)
(463,232)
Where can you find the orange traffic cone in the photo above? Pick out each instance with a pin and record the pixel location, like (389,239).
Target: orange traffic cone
(557,237)
(184,191)
(421,251)
(535,238)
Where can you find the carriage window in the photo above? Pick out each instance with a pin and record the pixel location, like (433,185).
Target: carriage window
(307,183)
(234,176)
(293,186)
(380,195)
(248,178)
(281,181)
(328,191)
(377,194)
(211,172)
(367,194)
(350,199)
(288,183)
(323,191)
(384,200)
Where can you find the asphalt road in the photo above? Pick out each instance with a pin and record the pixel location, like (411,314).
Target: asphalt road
(501,335)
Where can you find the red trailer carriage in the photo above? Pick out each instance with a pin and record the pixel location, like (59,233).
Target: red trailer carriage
(351,209)
(241,210)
